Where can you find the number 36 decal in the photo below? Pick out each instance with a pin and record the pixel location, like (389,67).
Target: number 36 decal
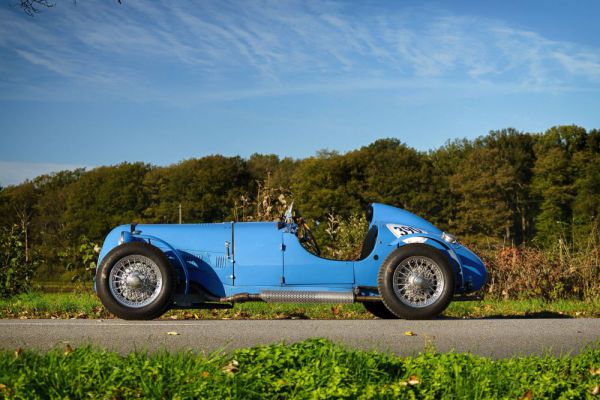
(403,230)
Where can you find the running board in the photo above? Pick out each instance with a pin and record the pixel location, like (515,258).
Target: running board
(293,296)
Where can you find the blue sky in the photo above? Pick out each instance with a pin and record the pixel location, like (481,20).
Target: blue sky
(94,82)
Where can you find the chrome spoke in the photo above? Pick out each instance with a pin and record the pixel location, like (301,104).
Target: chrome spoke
(135,281)
(418,281)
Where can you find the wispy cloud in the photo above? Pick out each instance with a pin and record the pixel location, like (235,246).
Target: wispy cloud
(258,48)
(15,172)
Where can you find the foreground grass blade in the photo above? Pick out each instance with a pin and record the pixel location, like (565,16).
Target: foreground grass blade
(311,369)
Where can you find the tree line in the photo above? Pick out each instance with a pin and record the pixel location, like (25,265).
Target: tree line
(506,187)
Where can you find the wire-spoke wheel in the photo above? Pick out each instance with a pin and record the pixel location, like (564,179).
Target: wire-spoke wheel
(416,281)
(135,281)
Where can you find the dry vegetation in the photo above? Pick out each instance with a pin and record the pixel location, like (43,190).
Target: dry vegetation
(558,272)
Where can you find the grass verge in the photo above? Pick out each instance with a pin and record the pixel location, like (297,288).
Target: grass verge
(314,368)
(87,305)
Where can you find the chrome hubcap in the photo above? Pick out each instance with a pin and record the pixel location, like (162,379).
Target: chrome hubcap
(135,281)
(418,281)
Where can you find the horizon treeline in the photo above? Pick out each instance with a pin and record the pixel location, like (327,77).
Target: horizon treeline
(507,187)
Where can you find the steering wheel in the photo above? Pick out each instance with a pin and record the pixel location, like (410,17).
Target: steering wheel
(306,237)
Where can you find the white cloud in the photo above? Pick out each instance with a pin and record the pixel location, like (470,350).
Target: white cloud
(15,172)
(277,48)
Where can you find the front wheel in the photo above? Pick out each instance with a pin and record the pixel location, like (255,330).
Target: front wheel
(416,281)
(135,281)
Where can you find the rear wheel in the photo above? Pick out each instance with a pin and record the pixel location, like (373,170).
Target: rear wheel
(378,309)
(416,282)
(136,281)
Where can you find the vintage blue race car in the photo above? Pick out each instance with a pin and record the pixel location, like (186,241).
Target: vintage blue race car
(407,268)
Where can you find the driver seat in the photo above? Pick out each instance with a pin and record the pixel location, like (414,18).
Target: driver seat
(368,243)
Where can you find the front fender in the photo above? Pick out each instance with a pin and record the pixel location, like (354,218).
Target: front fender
(122,234)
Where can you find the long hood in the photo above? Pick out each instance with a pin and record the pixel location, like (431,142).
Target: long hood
(210,238)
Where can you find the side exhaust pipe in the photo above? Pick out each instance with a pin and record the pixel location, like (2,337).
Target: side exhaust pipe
(241,298)
(292,296)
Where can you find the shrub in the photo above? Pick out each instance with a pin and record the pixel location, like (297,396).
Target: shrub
(344,236)
(81,260)
(16,265)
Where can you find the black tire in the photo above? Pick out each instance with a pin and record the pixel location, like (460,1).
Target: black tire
(378,309)
(386,285)
(163,300)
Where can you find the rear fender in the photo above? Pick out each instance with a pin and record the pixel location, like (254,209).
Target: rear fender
(437,243)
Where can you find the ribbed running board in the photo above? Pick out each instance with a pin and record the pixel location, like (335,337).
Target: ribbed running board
(296,296)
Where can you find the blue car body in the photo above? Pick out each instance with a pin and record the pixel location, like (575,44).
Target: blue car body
(231,258)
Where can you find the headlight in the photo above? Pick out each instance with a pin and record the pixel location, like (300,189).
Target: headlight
(449,238)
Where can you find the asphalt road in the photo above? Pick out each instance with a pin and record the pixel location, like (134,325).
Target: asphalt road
(489,337)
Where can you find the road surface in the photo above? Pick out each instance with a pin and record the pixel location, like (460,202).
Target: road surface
(490,337)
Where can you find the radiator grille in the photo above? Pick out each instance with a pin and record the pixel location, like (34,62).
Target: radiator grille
(220,262)
(197,258)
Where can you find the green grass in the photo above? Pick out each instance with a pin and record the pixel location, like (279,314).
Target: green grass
(526,308)
(87,305)
(52,305)
(60,287)
(313,369)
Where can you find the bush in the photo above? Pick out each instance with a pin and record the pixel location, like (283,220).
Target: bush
(344,236)
(16,266)
(81,260)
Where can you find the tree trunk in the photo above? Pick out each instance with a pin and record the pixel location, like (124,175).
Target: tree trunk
(24,223)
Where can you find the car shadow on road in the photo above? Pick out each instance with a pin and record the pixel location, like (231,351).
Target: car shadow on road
(294,315)
(532,315)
